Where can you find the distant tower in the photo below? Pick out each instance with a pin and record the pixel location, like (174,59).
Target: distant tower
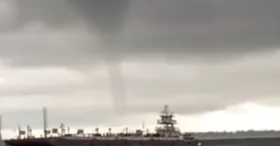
(45,121)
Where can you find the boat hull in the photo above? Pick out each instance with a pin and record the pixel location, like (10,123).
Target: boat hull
(94,142)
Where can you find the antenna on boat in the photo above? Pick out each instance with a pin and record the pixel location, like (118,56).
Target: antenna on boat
(62,129)
(20,132)
(0,127)
(143,125)
(1,139)
(45,121)
(29,131)
(68,130)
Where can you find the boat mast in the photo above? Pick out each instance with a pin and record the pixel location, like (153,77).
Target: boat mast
(45,121)
(0,127)
(1,139)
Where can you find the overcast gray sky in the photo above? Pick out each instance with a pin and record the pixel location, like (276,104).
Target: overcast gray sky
(199,56)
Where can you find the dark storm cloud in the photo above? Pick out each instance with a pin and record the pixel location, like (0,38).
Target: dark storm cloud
(214,28)
(203,27)
(102,16)
(54,14)
(107,17)
(193,27)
